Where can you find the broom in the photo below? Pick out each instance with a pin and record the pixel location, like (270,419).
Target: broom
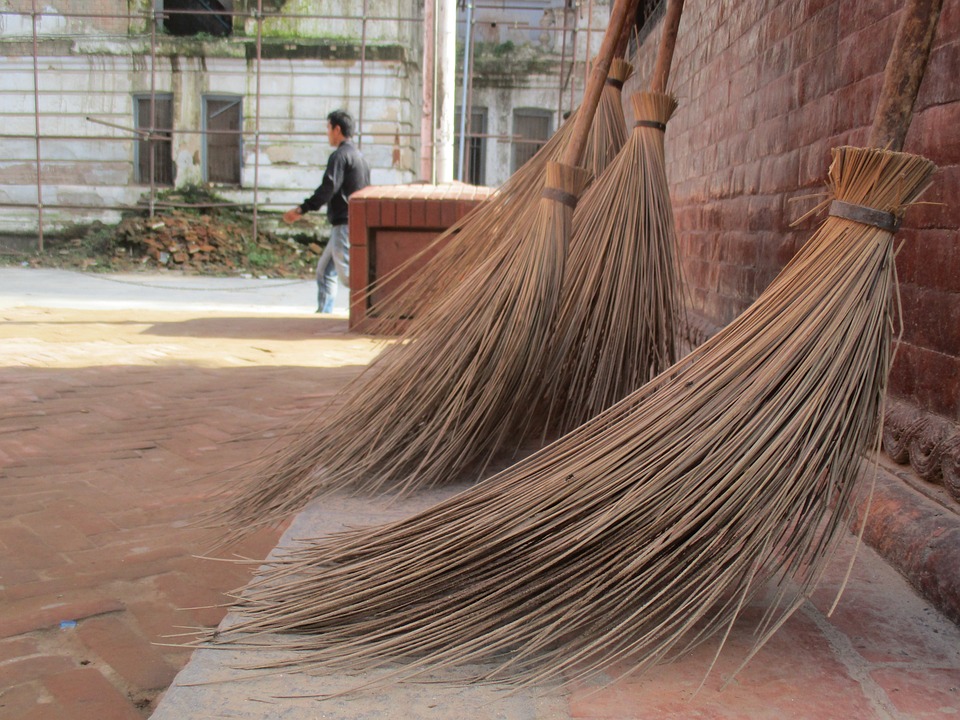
(446,399)
(649,528)
(622,304)
(479,235)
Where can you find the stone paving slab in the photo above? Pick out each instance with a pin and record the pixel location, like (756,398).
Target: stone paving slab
(211,686)
(884,653)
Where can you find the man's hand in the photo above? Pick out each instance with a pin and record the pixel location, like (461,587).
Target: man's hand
(291,216)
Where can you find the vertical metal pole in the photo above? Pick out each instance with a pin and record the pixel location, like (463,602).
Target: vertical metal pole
(153,113)
(589,48)
(363,74)
(563,58)
(573,55)
(36,123)
(427,109)
(256,123)
(469,89)
(464,124)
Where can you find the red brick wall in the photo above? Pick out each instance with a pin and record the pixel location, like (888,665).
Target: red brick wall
(766,89)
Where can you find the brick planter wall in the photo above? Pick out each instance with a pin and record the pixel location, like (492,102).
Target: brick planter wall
(390,225)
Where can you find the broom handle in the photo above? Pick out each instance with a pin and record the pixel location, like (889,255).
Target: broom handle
(591,97)
(904,71)
(627,29)
(671,22)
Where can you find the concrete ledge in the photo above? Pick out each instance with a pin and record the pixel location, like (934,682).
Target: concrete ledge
(918,536)
(884,653)
(215,685)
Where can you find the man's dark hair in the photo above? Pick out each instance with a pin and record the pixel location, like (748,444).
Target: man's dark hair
(342,120)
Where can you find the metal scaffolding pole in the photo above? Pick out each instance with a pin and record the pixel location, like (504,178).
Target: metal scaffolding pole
(171,138)
(464,105)
(256,123)
(153,109)
(363,75)
(36,121)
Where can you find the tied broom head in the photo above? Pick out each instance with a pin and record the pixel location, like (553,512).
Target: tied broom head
(622,305)
(466,244)
(610,133)
(648,529)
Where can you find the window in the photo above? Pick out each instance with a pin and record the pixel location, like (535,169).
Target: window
(648,14)
(153,153)
(193,17)
(222,143)
(534,127)
(475,153)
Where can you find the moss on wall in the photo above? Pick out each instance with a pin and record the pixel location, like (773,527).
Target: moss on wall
(508,65)
(325,49)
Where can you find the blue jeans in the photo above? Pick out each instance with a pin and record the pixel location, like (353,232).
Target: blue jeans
(334,263)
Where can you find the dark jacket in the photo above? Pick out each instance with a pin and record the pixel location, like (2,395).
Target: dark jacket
(346,173)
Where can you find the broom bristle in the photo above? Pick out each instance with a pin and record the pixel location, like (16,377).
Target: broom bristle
(650,527)
(623,303)
(407,426)
(446,399)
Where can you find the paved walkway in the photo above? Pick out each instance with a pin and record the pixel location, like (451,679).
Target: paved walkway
(170,291)
(114,423)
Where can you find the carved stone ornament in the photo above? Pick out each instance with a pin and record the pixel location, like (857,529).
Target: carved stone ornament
(931,444)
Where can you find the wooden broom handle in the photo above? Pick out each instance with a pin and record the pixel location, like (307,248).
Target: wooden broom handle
(671,23)
(591,97)
(904,71)
(627,28)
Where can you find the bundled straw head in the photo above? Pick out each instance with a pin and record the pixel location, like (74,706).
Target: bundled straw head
(653,107)
(622,302)
(611,132)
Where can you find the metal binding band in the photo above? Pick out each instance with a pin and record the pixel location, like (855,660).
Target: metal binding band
(865,215)
(662,127)
(566,198)
(618,84)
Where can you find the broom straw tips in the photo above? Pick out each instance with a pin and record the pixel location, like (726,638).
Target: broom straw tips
(619,318)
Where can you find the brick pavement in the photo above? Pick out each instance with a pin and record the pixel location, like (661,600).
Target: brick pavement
(115,427)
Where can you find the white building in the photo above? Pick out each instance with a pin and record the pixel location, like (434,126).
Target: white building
(103,104)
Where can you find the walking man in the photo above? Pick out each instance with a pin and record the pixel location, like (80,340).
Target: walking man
(346,173)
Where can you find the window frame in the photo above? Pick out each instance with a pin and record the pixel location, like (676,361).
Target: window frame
(206,132)
(528,112)
(140,142)
(474,170)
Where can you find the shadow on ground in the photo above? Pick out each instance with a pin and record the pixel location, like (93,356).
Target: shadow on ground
(253,327)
